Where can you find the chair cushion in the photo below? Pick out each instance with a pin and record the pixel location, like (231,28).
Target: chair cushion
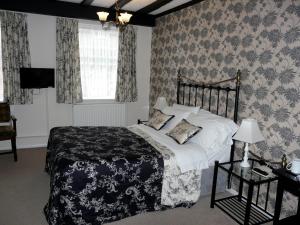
(7,131)
(4,112)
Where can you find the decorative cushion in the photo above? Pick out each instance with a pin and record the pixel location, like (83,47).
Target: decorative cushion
(183,131)
(159,119)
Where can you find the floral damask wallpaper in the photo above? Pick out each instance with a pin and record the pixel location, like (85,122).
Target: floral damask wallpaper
(211,40)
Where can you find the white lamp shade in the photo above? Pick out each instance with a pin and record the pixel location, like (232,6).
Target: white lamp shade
(249,132)
(102,16)
(125,17)
(161,103)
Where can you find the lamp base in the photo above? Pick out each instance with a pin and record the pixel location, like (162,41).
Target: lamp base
(245,164)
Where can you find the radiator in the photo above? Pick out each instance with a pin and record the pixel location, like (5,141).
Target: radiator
(99,115)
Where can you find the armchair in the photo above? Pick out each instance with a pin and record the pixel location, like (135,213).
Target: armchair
(8,128)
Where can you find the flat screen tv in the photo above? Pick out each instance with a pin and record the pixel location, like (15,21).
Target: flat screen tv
(35,78)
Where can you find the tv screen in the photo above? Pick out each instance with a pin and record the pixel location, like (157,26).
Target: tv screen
(36,78)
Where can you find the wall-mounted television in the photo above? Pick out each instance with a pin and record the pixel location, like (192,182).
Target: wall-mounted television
(35,78)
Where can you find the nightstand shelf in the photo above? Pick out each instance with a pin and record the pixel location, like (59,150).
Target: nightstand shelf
(244,210)
(236,209)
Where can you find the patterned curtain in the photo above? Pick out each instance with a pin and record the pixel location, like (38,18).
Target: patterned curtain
(15,54)
(126,82)
(68,82)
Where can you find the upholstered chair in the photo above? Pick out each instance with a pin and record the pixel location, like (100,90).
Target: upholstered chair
(8,128)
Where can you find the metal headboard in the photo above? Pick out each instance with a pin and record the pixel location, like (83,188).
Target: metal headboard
(200,90)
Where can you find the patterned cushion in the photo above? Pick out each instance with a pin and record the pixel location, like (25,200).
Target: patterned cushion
(183,131)
(4,112)
(159,119)
(7,131)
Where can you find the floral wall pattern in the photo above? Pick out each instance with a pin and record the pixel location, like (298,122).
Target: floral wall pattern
(211,40)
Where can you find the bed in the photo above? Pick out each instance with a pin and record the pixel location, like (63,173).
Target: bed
(103,174)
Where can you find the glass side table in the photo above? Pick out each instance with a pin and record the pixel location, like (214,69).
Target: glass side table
(243,209)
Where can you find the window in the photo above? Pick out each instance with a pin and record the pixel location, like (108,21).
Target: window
(98,61)
(1,71)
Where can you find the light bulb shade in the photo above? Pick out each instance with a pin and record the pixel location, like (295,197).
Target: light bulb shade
(125,17)
(249,132)
(102,16)
(120,20)
(161,103)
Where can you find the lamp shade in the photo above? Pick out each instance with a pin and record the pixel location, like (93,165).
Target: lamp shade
(249,132)
(125,17)
(161,103)
(102,16)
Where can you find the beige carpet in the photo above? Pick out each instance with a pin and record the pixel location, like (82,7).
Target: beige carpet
(24,189)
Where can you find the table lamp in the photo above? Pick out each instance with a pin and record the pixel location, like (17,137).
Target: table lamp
(161,103)
(249,133)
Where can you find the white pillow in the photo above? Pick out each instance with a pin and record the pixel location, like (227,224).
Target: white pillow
(216,129)
(178,116)
(192,109)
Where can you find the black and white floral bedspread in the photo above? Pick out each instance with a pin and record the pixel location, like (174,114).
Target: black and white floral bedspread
(101,174)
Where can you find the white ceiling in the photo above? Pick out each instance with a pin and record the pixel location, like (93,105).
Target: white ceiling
(170,5)
(103,3)
(134,5)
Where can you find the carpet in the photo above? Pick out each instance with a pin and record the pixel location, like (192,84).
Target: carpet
(24,190)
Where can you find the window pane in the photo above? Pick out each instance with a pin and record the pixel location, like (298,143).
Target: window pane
(98,61)
(1,71)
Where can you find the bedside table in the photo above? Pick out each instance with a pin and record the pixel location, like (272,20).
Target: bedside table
(242,209)
(286,182)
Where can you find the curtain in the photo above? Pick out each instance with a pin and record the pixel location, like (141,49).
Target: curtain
(126,90)
(15,54)
(68,82)
(98,61)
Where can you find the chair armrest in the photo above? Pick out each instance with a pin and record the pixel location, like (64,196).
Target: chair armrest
(141,121)
(14,120)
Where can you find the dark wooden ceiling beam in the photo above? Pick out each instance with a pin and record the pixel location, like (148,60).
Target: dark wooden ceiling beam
(87,2)
(180,7)
(154,6)
(71,10)
(121,4)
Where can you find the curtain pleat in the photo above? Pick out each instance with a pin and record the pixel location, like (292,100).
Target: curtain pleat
(15,54)
(68,81)
(126,90)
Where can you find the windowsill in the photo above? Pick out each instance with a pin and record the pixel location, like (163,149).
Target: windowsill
(98,102)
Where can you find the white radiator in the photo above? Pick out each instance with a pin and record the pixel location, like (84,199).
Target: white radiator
(99,115)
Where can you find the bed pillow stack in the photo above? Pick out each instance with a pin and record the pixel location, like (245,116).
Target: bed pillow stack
(180,113)
(217,130)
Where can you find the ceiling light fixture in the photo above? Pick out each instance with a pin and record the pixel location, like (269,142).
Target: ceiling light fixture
(121,18)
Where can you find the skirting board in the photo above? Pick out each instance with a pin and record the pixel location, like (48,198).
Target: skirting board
(25,142)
